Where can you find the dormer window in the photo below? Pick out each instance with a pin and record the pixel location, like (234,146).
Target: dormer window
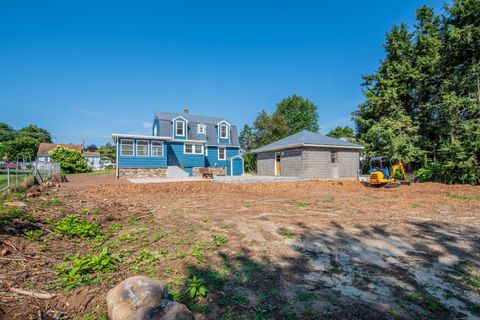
(224,131)
(201,128)
(180,128)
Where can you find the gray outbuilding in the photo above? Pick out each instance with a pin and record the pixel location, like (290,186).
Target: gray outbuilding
(309,155)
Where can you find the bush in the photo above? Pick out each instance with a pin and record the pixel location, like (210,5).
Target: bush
(249,162)
(71,161)
(448,173)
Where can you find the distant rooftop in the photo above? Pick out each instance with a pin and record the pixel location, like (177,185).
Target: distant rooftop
(307,138)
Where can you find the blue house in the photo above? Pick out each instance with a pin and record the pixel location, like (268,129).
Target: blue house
(180,144)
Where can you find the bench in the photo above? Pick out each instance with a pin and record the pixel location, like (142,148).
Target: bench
(206,173)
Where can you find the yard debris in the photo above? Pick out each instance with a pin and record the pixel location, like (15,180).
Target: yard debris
(33,294)
(15,204)
(4,251)
(138,298)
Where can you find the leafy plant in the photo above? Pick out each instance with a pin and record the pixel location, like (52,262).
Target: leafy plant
(197,252)
(115,227)
(71,161)
(34,235)
(79,270)
(146,257)
(73,227)
(51,202)
(219,240)
(8,214)
(195,287)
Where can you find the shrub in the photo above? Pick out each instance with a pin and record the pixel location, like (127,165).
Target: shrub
(449,173)
(78,270)
(219,240)
(71,161)
(196,287)
(73,227)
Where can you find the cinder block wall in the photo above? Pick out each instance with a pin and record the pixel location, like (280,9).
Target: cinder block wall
(266,163)
(311,163)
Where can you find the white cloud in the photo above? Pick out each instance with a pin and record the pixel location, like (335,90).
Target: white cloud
(147,125)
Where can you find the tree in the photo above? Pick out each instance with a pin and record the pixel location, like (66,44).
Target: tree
(269,128)
(91,148)
(22,144)
(342,132)
(35,132)
(247,138)
(6,132)
(71,161)
(299,114)
(108,151)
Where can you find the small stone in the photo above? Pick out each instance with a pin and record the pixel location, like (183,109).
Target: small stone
(141,298)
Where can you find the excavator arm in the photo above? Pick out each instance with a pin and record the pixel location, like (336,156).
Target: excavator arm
(402,170)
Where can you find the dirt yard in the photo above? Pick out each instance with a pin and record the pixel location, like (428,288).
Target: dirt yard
(290,250)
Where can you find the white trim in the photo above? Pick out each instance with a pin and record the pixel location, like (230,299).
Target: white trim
(121,148)
(224,121)
(224,154)
(305,145)
(179,117)
(203,126)
(136,148)
(193,148)
(227,131)
(187,140)
(115,136)
(151,149)
(275,163)
(184,124)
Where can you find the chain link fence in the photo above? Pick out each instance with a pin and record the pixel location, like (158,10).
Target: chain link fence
(21,175)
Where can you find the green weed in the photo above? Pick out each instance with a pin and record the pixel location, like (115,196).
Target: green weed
(79,271)
(146,257)
(34,235)
(287,233)
(219,240)
(197,252)
(74,227)
(159,235)
(180,255)
(325,200)
(127,237)
(8,214)
(51,202)
(473,281)
(195,287)
(163,251)
(115,227)
(300,204)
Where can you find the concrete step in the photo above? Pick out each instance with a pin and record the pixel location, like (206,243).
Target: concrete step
(176,172)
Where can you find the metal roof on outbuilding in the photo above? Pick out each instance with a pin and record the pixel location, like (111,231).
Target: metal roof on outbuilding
(307,138)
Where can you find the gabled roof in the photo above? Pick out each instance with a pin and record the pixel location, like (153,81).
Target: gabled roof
(211,138)
(44,148)
(307,138)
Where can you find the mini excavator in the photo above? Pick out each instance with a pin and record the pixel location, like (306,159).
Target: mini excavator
(382,173)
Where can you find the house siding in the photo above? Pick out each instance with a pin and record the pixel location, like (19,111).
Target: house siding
(141,161)
(177,157)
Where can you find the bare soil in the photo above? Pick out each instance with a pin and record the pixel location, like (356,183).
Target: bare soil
(295,250)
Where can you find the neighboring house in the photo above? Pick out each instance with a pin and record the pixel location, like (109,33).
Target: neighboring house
(93,160)
(180,145)
(45,148)
(309,155)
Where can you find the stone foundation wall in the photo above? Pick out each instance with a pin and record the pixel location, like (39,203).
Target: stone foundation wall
(217,171)
(142,173)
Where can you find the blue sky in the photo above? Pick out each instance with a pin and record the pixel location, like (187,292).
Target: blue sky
(85,69)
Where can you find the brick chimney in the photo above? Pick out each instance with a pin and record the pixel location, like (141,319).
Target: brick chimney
(185,110)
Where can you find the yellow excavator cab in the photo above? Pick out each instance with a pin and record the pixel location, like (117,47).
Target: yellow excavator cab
(382,173)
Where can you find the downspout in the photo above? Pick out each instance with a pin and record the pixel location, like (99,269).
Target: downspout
(117,168)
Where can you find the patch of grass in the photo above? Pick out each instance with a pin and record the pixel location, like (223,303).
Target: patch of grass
(8,214)
(473,281)
(115,227)
(159,235)
(414,205)
(74,227)
(219,240)
(180,255)
(96,212)
(305,297)
(79,271)
(300,204)
(51,202)
(325,200)
(235,300)
(146,257)
(428,302)
(462,197)
(127,237)
(34,235)
(286,233)
(163,251)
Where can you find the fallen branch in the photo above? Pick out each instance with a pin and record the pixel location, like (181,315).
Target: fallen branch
(43,296)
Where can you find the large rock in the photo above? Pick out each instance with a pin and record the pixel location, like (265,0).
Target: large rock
(142,298)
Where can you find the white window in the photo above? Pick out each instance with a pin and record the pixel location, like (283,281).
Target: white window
(334,156)
(142,148)
(180,128)
(224,131)
(157,148)
(221,153)
(126,147)
(201,128)
(191,148)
